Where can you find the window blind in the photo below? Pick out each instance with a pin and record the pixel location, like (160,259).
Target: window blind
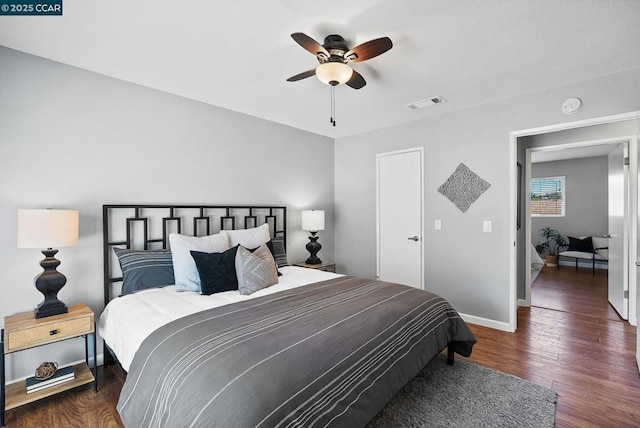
(548,197)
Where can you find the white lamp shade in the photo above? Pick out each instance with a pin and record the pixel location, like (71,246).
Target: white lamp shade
(334,72)
(313,220)
(47,228)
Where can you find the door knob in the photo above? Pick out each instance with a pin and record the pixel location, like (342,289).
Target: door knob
(607,236)
(413,238)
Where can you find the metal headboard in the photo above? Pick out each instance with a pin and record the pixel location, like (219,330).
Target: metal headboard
(144,227)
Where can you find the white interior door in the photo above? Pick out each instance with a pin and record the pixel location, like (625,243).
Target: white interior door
(618,239)
(400,217)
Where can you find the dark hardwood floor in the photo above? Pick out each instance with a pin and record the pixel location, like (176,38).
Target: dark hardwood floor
(570,340)
(578,347)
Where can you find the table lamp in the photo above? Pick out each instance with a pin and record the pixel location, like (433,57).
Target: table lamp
(48,228)
(313,221)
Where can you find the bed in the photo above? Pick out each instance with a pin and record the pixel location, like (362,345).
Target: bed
(314,349)
(536,264)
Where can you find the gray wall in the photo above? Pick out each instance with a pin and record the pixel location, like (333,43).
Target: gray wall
(75,139)
(587,193)
(463,264)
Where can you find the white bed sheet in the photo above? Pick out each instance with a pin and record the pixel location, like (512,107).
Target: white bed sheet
(128,320)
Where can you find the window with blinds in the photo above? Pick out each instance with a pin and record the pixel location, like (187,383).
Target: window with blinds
(547,197)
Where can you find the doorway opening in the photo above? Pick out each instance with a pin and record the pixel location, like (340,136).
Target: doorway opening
(593,131)
(591,204)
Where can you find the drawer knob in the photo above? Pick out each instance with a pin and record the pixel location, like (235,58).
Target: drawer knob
(53,332)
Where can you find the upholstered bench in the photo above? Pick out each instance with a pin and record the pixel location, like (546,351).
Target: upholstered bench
(592,248)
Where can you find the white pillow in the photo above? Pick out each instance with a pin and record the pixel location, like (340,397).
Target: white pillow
(184,267)
(249,238)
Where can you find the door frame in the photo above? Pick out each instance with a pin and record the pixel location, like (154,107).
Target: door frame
(513,177)
(625,140)
(422,229)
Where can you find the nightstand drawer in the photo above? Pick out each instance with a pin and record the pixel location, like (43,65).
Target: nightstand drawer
(48,333)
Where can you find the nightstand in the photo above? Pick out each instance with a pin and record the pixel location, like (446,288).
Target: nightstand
(327,267)
(23,331)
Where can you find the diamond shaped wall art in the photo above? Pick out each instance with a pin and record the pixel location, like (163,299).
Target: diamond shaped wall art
(463,187)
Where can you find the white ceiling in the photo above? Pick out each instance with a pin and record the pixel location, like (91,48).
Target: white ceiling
(238,54)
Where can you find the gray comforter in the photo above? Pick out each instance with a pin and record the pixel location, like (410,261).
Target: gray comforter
(326,354)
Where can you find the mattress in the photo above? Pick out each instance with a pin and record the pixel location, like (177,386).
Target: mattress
(128,320)
(328,354)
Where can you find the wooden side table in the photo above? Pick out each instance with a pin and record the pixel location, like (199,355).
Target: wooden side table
(23,331)
(327,267)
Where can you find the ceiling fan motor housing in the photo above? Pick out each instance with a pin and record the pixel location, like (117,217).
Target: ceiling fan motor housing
(336,46)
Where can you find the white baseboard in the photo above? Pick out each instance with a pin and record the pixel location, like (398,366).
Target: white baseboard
(523,303)
(584,264)
(485,322)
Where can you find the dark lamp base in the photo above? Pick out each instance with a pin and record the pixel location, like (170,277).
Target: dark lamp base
(313,246)
(49,283)
(50,310)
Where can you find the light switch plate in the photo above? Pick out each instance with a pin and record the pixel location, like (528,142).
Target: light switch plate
(486,226)
(437,224)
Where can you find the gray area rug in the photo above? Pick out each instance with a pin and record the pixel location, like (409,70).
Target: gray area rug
(467,395)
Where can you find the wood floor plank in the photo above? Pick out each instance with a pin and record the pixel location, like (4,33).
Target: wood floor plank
(576,345)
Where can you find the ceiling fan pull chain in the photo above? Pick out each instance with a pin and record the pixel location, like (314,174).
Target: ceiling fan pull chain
(331,107)
(333,104)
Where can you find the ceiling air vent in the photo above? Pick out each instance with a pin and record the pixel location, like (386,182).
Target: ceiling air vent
(426,102)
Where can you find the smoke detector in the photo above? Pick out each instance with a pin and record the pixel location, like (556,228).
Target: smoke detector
(571,105)
(426,102)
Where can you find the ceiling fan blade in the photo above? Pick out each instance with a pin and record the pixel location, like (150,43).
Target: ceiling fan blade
(369,50)
(302,75)
(356,81)
(309,44)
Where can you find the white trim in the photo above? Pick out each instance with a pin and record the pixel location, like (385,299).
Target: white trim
(584,263)
(422,229)
(523,303)
(513,234)
(633,228)
(527,227)
(485,322)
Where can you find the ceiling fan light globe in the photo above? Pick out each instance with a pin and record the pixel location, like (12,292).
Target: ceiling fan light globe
(331,72)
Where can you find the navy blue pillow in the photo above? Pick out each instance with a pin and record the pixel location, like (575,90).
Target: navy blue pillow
(143,269)
(217,270)
(585,245)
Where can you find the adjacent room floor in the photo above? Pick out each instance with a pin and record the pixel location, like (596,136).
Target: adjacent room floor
(576,346)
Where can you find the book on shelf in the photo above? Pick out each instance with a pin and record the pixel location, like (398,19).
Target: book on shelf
(63,375)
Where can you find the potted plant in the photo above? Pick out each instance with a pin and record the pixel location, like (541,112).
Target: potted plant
(552,243)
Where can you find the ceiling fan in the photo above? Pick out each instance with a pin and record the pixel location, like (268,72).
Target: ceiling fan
(334,55)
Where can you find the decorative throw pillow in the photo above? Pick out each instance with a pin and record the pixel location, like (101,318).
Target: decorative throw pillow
(276,245)
(249,238)
(584,245)
(144,269)
(217,270)
(184,267)
(255,270)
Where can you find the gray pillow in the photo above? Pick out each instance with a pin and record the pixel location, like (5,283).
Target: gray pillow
(142,269)
(256,270)
(279,251)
